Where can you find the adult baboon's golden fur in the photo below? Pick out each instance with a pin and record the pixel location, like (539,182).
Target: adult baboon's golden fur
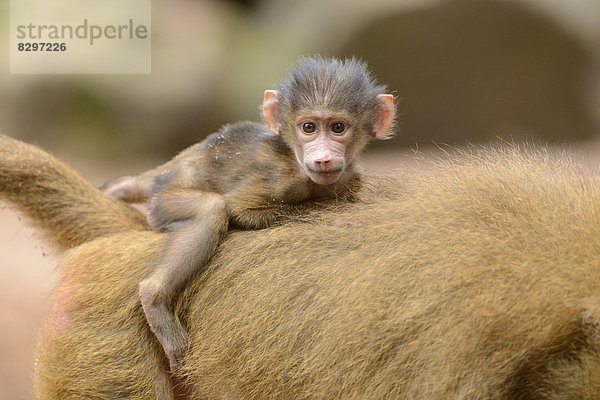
(477,278)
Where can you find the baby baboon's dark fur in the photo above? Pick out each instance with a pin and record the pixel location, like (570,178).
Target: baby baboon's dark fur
(475,279)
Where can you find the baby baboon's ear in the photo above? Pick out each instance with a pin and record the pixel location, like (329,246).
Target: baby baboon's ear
(270,109)
(384,120)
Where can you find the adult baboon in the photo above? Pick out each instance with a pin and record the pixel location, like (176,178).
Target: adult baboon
(477,278)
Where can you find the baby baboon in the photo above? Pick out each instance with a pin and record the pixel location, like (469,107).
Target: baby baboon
(316,123)
(476,278)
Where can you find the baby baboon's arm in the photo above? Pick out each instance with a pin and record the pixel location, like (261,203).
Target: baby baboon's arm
(197,222)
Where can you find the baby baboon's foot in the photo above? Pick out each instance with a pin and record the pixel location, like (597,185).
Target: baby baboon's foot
(119,187)
(163,323)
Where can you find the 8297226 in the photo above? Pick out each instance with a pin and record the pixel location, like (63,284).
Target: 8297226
(42,46)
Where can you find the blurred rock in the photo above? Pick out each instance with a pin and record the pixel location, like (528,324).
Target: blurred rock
(474,70)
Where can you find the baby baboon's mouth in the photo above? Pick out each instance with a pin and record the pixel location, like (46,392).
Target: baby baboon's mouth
(328,172)
(324,177)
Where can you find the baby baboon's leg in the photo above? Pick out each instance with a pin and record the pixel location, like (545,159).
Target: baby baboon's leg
(196,222)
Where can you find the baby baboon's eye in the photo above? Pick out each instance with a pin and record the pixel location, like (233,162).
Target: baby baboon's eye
(338,128)
(308,127)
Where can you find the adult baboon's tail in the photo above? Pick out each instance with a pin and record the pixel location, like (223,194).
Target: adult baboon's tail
(69,210)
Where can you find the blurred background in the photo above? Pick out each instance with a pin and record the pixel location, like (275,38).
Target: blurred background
(464,71)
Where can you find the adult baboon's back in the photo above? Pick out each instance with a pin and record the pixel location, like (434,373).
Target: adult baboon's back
(478,278)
